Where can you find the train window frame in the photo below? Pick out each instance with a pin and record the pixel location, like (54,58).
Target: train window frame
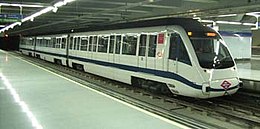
(78,43)
(47,42)
(181,50)
(118,44)
(71,42)
(101,41)
(152,45)
(111,48)
(75,42)
(143,45)
(53,42)
(129,44)
(57,44)
(63,43)
(95,43)
(90,45)
(85,46)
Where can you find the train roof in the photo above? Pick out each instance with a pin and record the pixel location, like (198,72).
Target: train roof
(187,23)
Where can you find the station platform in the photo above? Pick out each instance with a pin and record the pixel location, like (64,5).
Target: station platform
(33,97)
(249,69)
(249,73)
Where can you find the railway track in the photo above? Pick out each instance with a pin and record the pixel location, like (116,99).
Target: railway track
(223,112)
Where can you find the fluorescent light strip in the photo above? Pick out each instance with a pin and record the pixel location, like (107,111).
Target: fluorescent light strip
(207,21)
(31,17)
(21,5)
(228,22)
(256,14)
(249,24)
(227,15)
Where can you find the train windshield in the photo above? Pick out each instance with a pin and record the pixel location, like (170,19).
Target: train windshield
(211,52)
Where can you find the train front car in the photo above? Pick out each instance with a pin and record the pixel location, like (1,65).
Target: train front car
(214,63)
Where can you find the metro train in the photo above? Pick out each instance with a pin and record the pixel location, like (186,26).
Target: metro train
(179,55)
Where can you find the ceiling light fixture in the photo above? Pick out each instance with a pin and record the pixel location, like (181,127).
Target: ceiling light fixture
(227,15)
(228,22)
(256,14)
(55,9)
(207,21)
(21,5)
(31,17)
(248,24)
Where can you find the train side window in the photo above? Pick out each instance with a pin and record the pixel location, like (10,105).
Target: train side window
(84,44)
(63,43)
(71,43)
(118,44)
(90,43)
(78,43)
(94,43)
(111,44)
(75,43)
(178,50)
(129,44)
(48,41)
(152,45)
(43,43)
(57,45)
(102,44)
(142,45)
(53,42)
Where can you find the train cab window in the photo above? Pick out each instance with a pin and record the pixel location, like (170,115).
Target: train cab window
(102,44)
(118,44)
(177,49)
(142,45)
(71,43)
(94,43)
(84,44)
(152,45)
(129,44)
(111,44)
(63,43)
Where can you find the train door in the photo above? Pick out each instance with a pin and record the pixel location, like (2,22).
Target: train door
(34,46)
(173,52)
(142,54)
(118,47)
(67,49)
(111,50)
(151,51)
(70,47)
(178,55)
(92,46)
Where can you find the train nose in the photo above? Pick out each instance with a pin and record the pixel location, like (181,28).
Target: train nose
(221,87)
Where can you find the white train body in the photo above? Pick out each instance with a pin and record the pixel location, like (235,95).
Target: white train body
(162,54)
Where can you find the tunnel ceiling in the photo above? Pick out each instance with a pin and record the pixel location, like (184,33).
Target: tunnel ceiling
(85,13)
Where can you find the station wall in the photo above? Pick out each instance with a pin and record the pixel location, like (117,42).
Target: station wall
(239,40)
(256,38)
